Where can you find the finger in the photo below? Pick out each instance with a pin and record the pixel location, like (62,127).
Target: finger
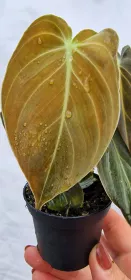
(117,240)
(37,275)
(116,229)
(34,259)
(102,267)
(83,274)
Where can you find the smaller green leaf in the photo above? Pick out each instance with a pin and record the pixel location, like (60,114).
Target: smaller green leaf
(115,173)
(88,180)
(71,199)
(59,203)
(75,196)
(125,51)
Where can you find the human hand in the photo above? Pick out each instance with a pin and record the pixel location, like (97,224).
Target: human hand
(109,260)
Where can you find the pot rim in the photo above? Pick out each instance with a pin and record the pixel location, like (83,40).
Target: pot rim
(63,217)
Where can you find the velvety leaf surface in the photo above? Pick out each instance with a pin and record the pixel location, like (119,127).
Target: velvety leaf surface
(115,173)
(125,119)
(60,102)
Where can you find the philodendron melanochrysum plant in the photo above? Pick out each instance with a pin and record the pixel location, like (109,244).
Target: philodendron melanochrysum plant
(61,104)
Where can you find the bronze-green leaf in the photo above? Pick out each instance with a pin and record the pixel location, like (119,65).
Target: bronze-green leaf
(60,102)
(73,198)
(115,173)
(58,203)
(125,117)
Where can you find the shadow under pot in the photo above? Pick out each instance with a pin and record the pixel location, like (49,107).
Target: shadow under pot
(66,242)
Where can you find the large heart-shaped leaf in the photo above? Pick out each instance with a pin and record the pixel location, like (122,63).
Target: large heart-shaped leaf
(60,103)
(125,118)
(115,173)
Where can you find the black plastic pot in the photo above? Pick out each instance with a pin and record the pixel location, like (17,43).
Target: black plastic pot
(66,242)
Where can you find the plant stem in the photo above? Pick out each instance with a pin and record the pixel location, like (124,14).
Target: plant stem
(67,211)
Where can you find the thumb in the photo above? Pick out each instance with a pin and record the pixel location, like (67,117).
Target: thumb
(101,265)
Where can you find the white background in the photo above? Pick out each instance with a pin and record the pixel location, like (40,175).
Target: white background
(16,228)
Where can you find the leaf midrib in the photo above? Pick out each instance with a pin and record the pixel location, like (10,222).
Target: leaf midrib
(66,97)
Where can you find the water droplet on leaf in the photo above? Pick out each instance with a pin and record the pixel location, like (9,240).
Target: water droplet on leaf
(74,84)
(51,82)
(39,41)
(68,114)
(87,83)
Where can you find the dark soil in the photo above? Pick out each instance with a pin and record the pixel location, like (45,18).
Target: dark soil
(95,199)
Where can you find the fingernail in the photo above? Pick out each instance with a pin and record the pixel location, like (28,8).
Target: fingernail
(27,246)
(105,244)
(103,257)
(33,270)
